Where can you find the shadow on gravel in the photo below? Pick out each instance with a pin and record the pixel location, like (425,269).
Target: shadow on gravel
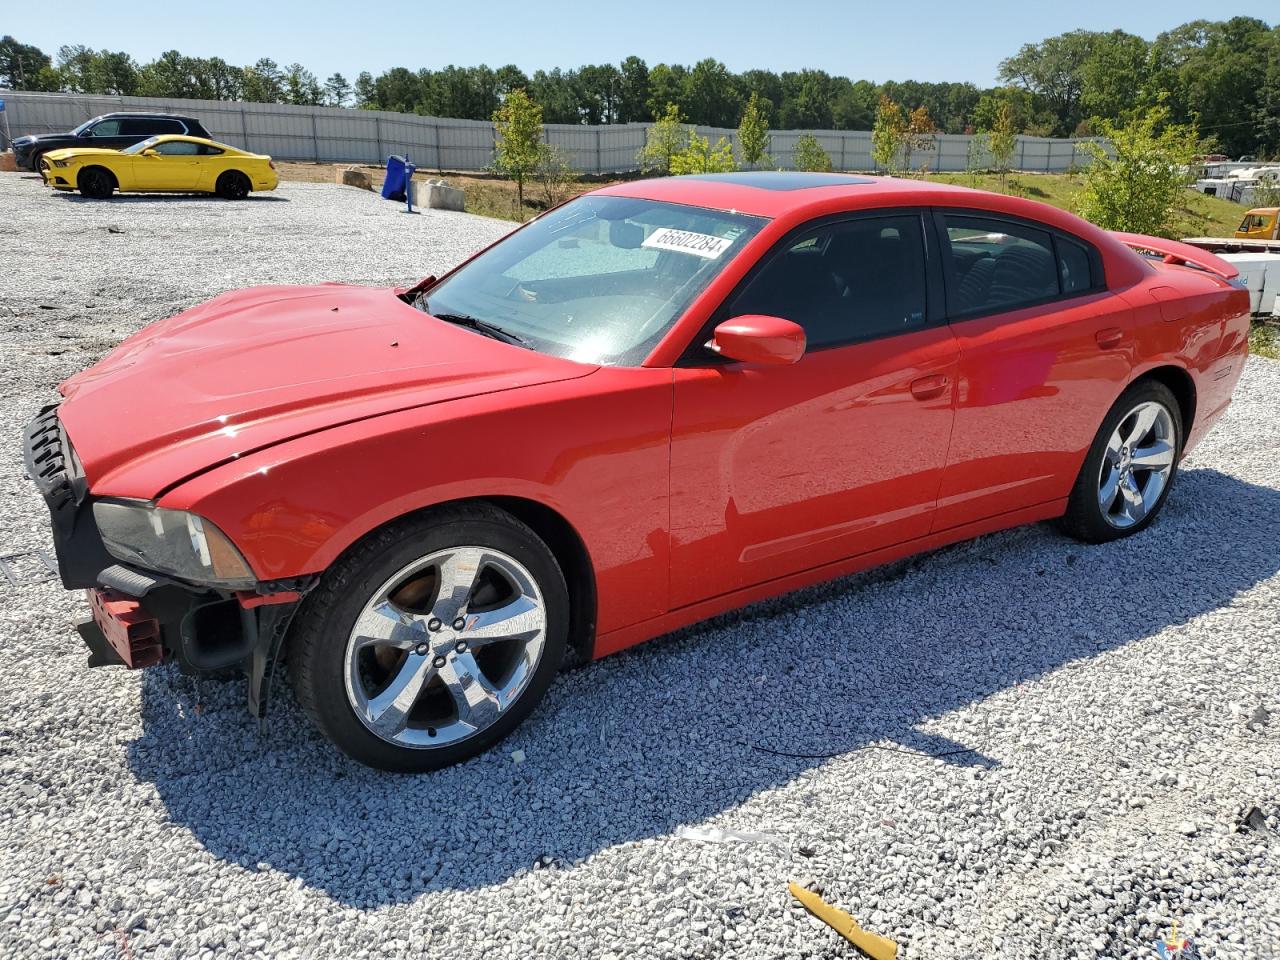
(161,198)
(635,745)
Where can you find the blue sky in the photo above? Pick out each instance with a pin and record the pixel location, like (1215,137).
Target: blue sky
(922,40)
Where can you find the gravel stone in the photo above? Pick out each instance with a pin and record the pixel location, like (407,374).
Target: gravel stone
(1104,697)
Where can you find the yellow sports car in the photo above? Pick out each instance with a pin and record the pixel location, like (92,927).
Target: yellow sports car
(167,164)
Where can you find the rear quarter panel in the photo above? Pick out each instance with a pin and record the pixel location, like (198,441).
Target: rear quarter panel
(1190,319)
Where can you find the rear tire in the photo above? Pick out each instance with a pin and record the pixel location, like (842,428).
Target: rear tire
(233,185)
(431,639)
(96,183)
(1130,467)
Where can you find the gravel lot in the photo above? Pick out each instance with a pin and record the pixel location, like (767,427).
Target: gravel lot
(1107,715)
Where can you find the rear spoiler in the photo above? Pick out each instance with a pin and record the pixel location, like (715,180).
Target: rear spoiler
(1182,254)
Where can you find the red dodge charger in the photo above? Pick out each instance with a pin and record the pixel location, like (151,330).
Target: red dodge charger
(652,404)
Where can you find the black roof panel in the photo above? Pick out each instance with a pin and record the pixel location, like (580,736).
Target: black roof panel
(782,179)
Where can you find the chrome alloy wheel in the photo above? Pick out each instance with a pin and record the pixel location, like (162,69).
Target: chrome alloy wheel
(445,646)
(1136,465)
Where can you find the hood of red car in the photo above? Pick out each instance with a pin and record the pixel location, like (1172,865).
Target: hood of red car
(256,367)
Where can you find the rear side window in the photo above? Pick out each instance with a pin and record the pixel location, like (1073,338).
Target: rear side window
(209,151)
(149,126)
(1074,269)
(996,265)
(844,282)
(178,148)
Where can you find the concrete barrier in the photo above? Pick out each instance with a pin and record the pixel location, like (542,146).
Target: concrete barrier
(437,195)
(354,177)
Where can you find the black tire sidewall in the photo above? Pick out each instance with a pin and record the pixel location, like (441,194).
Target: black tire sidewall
(232,185)
(1084,519)
(95,184)
(319,641)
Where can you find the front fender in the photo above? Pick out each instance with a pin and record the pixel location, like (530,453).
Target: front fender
(599,459)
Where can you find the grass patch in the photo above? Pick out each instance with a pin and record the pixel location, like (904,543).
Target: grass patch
(1264,340)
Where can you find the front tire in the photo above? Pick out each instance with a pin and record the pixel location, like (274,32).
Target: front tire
(96,183)
(233,185)
(1130,467)
(432,639)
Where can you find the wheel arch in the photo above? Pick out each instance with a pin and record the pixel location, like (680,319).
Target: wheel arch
(97,166)
(1181,385)
(566,545)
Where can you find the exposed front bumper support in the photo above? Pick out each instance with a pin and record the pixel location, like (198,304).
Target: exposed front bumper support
(141,618)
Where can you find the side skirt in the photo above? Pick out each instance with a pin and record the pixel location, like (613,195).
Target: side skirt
(625,637)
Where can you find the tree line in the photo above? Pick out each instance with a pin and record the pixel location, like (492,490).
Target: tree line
(1222,76)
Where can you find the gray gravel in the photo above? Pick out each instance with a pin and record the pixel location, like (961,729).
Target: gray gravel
(1118,709)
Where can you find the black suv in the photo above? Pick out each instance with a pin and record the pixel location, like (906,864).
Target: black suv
(115,131)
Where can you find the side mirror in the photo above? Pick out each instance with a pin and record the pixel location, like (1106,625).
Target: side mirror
(149,152)
(759,339)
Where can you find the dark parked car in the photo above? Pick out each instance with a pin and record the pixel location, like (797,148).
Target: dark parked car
(115,131)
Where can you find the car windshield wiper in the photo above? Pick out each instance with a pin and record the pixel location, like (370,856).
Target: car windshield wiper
(482,326)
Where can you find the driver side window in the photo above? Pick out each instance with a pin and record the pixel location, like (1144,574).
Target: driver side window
(844,282)
(107,128)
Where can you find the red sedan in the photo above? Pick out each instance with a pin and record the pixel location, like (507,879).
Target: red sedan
(652,404)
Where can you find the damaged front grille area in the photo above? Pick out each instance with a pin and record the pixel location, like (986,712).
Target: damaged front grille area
(52,466)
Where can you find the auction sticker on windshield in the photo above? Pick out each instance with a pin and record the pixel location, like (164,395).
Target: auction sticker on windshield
(685,241)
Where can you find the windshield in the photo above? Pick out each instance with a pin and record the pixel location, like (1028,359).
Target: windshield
(599,280)
(139,147)
(84,126)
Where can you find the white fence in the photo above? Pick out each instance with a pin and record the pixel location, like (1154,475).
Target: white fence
(337,135)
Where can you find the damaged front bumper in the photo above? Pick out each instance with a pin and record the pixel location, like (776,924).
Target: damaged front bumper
(140,618)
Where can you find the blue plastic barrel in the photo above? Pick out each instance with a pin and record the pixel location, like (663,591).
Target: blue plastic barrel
(393,187)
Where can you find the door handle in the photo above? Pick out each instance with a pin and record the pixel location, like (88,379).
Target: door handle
(926,388)
(1109,337)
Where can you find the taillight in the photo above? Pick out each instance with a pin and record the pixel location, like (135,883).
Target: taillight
(271,164)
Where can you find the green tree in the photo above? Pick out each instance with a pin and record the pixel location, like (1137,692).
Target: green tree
(1054,70)
(1115,75)
(808,98)
(710,94)
(216,79)
(301,86)
(337,90)
(556,92)
(75,62)
(634,94)
(366,91)
(919,134)
(1003,140)
(555,174)
(888,133)
(518,140)
(114,73)
(599,93)
(855,106)
(1137,185)
(1220,74)
(809,155)
(263,82)
(698,156)
(753,133)
(666,86)
(169,75)
(508,78)
(23,66)
(665,138)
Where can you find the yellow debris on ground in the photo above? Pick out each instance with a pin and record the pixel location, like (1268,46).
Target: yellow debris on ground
(872,944)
